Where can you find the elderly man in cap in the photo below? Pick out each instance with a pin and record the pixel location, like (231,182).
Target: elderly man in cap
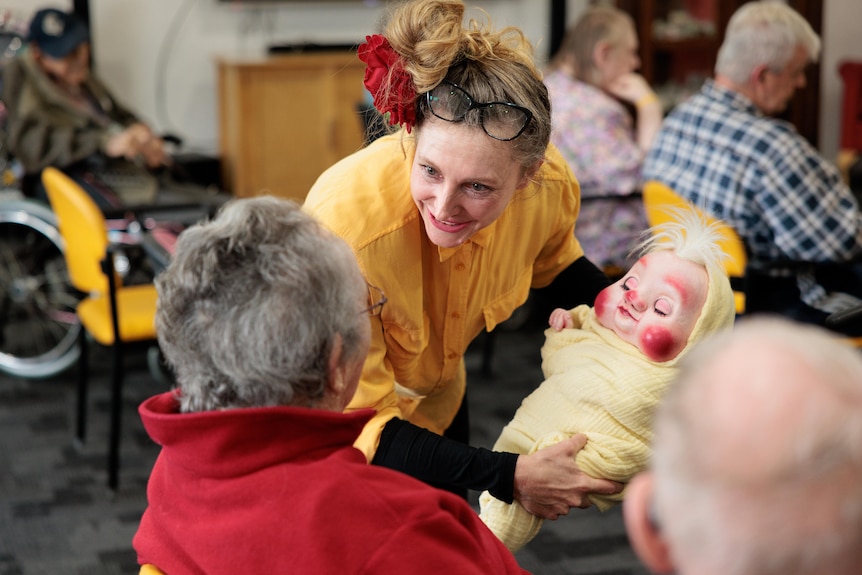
(60,114)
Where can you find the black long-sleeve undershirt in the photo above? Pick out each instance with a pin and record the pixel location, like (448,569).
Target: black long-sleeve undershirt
(439,460)
(578,284)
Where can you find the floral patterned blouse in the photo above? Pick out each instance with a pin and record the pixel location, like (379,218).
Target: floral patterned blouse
(595,134)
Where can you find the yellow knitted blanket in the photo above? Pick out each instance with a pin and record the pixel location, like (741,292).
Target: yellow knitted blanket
(599,385)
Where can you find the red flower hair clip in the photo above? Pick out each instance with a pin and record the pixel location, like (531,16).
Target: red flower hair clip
(383,64)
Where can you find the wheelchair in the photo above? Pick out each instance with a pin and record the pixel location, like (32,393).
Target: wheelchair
(38,325)
(38,322)
(39,328)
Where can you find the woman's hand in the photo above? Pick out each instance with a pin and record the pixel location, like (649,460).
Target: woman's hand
(631,88)
(548,482)
(635,89)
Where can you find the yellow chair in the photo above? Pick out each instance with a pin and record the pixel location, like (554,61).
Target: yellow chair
(659,203)
(112,314)
(150,570)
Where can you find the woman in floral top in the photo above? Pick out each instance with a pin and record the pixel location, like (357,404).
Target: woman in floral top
(590,78)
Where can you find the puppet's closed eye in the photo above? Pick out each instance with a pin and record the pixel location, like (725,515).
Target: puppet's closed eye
(662,307)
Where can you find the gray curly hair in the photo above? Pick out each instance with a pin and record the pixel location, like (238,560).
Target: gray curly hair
(251,305)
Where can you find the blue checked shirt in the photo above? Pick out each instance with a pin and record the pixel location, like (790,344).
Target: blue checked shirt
(760,176)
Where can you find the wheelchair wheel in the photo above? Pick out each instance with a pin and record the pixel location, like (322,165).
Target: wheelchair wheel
(38,324)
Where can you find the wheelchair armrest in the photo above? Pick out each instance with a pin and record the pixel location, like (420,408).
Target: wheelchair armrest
(172,139)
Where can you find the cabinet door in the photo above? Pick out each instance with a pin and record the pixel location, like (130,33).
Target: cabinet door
(287,119)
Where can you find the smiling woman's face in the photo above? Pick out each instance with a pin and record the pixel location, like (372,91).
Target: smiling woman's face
(655,306)
(461,180)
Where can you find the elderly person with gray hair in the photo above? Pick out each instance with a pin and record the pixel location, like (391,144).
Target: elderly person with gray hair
(757,458)
(263,314)
(589,79)
(724,152)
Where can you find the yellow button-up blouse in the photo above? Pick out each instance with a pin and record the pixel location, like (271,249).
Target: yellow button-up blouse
(440,299)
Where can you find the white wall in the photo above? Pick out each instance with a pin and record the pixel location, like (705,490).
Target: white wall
(132,37)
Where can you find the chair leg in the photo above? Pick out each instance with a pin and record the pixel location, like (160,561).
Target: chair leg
(116,412)
(83,380)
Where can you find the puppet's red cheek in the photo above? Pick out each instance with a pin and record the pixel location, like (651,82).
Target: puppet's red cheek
(658,344)
(601,301)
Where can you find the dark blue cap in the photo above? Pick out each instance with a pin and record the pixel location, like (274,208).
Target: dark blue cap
(57,33)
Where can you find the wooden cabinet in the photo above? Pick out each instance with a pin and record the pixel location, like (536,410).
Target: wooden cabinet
(285,119)
(679,41)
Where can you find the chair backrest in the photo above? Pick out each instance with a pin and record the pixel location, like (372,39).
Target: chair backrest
(82,226)
(659,203)
(148,569)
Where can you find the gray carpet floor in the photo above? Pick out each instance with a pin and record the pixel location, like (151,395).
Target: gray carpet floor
(56,515)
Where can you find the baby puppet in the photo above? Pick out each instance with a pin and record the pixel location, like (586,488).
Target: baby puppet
(607,366)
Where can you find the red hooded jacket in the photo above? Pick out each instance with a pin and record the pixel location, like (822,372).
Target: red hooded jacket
(281,489)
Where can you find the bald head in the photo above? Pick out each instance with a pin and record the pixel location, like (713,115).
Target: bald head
(758,454)
(748,395)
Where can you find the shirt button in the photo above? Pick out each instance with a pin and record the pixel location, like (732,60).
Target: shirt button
(453,355)
(460,267)
(456,315)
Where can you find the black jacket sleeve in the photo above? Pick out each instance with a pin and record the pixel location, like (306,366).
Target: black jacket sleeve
(435,459)
(579,283)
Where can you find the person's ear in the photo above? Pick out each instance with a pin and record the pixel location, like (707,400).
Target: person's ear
(528,175)
(335,368)
(758,75)
(644,536)
(601,53)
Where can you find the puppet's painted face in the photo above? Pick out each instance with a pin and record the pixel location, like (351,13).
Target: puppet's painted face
(655,306)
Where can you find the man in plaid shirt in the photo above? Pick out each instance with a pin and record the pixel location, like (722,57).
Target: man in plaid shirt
(723,152)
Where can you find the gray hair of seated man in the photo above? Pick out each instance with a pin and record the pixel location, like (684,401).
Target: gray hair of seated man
(763,33)
(251,306)
(758,454)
